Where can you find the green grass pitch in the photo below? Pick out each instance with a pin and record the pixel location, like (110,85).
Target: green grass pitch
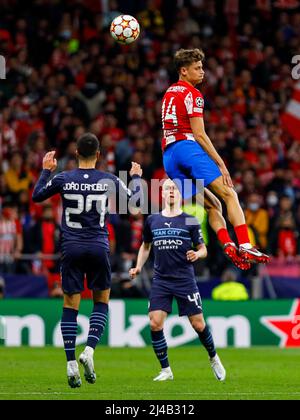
(124,374)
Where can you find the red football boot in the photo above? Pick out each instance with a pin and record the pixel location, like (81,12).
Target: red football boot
(253,255)
(232,253)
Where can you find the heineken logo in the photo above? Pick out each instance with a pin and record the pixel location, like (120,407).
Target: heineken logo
(241,325)
(286,327)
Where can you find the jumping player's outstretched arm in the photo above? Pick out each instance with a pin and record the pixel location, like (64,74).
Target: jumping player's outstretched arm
(143,256)
(44,189)
(198,128)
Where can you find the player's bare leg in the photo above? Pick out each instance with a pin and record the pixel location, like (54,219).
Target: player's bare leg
(98,321)
(160,347)
(69,332)
(205,336)
(217,222)
(237,219)
(214,210)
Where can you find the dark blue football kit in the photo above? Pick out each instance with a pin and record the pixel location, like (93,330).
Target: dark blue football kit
(172,238)
(84,242)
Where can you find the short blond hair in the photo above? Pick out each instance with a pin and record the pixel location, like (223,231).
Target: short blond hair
(184,58)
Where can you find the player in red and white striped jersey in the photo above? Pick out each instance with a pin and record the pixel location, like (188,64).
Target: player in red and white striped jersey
(189,154)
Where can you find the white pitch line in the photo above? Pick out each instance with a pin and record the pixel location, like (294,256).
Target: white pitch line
(220,394)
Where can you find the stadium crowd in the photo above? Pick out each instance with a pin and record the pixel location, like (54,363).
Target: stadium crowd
(66,75)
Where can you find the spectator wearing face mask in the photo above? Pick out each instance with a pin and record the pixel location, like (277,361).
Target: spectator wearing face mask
(257,219)
(272,201)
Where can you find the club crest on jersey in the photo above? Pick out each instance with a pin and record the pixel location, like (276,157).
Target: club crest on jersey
(200,102)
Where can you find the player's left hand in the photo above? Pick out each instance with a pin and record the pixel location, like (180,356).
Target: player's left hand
(135,169)
(192,256)
(226,176)
(49,162)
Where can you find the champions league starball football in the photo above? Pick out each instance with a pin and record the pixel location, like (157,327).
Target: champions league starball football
(125,29)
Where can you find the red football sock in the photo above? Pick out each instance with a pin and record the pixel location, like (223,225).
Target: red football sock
(242,234)
(223,236)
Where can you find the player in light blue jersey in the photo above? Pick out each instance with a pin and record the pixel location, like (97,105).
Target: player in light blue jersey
(177,243)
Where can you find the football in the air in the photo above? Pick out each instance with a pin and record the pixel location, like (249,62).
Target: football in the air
(125,29)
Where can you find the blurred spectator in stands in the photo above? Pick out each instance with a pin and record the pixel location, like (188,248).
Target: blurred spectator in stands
(31,163)
(129,240)
(8,140)
(17,177)
(151,19)
(278,182)
(248,184)
(69,154)
(23,207)
(111,238)
(137,225)
(294,156)
(111,12)
(188,25)
(272,201)
(28,129)
(284,238)
(4,194)
(112,246)
(285,205)
(108,152)
(38,145)
(230,289)
(11,242)
(285,209)
(257,219)
(45,241)
(112,128)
